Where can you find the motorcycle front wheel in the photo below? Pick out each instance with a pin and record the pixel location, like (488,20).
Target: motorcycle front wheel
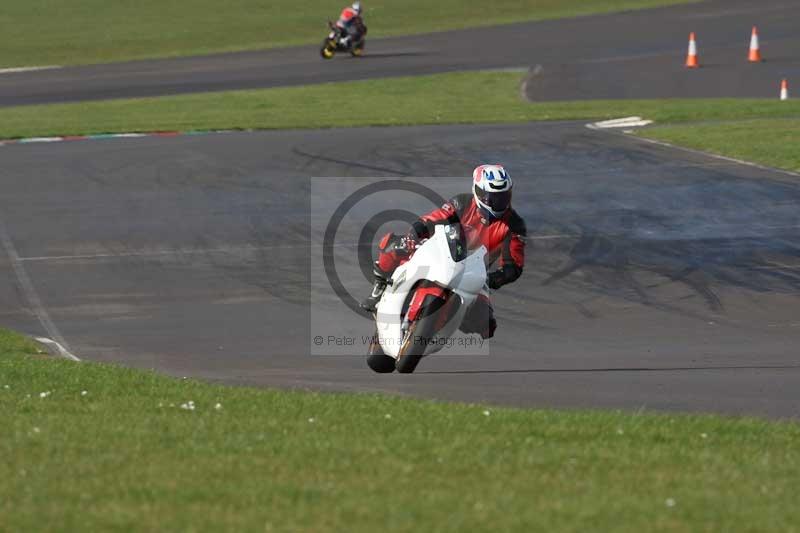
(328,50)
(376,359)
(420,334)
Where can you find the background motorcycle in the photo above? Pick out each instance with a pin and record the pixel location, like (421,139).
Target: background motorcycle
(333,43)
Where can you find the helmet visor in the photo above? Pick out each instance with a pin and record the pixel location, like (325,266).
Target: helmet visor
(497,201)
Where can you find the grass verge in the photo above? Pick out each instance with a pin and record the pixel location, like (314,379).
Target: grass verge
(44,32)
(772,142)
(125,455)
(454,98)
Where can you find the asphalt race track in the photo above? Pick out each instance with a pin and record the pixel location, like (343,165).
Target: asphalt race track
(657,278)
(630,55)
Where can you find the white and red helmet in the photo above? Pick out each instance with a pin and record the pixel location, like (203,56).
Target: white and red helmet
(492,189)
(356,7)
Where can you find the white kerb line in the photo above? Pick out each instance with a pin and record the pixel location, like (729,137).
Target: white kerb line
(63,352)
(31,295)
(713,155)
(14,70)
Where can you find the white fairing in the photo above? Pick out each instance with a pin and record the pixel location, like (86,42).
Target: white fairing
(431,261)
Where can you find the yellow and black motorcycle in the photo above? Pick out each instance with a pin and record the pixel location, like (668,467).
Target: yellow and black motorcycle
(333,43)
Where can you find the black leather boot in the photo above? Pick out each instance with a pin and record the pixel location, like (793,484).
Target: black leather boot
(381,281)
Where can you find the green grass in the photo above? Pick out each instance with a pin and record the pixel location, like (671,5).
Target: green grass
(455,98)
(125,455)
(774,142)
(39,32)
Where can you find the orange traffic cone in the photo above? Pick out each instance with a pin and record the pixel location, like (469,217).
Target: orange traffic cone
(784,90)
(755,53)
(691,57)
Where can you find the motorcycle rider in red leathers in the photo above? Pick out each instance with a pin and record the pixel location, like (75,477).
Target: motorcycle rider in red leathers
(487,219)
(351,24)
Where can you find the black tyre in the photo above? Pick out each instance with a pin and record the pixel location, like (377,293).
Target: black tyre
(377,360)
(327,51)
(358,49)
(419,335)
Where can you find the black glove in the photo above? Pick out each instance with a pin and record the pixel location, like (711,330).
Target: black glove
(508,273)
(420,230)
(495,279)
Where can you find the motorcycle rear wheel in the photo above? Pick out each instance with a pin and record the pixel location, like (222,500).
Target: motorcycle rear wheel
(357,50)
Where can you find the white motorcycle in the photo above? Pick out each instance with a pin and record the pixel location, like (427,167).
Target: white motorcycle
(425,301)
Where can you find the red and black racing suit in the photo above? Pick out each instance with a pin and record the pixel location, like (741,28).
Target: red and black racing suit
(504,239)
(352,24)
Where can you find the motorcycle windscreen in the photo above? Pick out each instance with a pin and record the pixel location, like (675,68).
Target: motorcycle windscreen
(456,241)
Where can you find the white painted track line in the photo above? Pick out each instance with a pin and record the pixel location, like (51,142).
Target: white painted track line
(60,350)
(626,122)
(14,70)
(715,156)
(29,291)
